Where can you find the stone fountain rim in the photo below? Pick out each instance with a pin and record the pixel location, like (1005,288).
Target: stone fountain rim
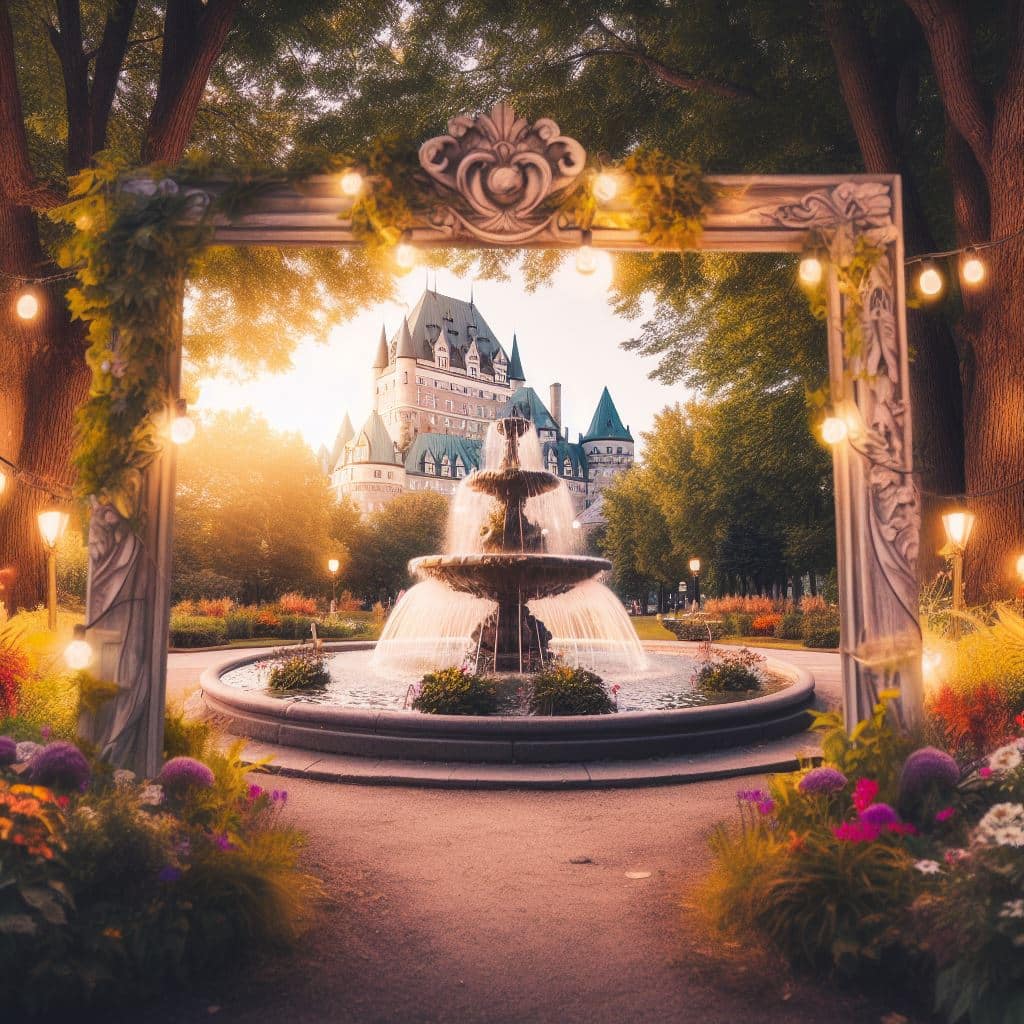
(501,738)
(485,557)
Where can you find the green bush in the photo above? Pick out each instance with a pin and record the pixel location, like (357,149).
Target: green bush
(456,691)
(295,627)
(821,629)
(738,624)
(695,628)
(791,626)
(729,672)
(300,669)
(337,629)
(240,624)
(197,631)
(564,690)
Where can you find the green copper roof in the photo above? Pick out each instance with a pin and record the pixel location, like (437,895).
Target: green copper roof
(438,446)
(606,424)
(375,437)
(515,368)
(526,402)
(380,362)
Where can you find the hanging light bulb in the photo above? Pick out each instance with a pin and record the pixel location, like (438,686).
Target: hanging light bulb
(586,259)
(930,281)
(83,222)
(27,306)
(3,480)
(183,427)
(405,256)
(834,430)
(79,653)
(811,269)
(606,186)
(351,183)
(972,269)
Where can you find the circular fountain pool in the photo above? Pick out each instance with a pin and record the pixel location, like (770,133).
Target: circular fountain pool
(361,712)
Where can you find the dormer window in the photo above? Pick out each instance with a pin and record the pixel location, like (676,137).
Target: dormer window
(446,466)
(567,466)
(460,469)
(429,466)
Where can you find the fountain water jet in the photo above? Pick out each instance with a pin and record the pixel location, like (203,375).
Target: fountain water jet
(510,554)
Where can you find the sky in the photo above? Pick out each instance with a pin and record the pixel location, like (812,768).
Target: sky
(567,333)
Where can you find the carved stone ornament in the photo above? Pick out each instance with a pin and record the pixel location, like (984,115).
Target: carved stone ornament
(501,169)
(863,204)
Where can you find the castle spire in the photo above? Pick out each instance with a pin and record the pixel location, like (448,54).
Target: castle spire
(607,424)
(380,361)
(515,366)
(406,348)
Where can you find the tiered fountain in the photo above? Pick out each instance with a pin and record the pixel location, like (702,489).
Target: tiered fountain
(509,594)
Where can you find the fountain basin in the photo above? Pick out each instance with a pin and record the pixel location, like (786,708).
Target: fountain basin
(628,735)
(514,576)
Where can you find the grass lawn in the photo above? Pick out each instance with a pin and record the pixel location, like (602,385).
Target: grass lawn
(649,628)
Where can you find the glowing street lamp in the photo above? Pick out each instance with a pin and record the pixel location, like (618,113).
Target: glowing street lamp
(1020,568)
(695,569)
(52,523)
(351,183)
(333,565)
(606,186)
(958,525)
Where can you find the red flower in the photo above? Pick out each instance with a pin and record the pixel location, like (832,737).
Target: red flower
(864,793)
(945,814)
(856,832)
(1019,720)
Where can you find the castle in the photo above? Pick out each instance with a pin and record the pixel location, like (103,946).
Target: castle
(440,382)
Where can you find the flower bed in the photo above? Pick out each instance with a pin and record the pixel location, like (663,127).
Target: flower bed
(890,864)
(118,887)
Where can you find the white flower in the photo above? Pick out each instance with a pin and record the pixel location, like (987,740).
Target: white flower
(928,867)
(1005,759)
(26,750)
(152,795)
(1008,835)
(123,778)
(1012,908)
(87,814)
(1003,825)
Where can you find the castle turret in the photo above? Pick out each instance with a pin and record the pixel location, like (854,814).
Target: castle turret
(380,362)
(516,377)
(608,444)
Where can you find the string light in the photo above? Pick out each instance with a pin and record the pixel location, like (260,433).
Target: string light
(79,653)
(834,430)
(405,256)
(351,183)
(3,480)
(586,260)
(1020,567)
(27,306)
(972,269)
(606,187)
(811,270)
(930,281)
(183,427)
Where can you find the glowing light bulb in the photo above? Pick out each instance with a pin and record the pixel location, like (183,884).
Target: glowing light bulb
(333,565)
(3,481)
(929,281)
(586,259)
(834,430)
(1020,567)
(83,222)
(351,183)
(695,565)
(606,187)
(810,270)
(931,663)
(958,526)
(78,654)
(972,270)
(405,256)
(27,306)
(183,429)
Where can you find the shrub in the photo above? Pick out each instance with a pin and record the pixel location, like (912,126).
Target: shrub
(729,672)
(337,629)
(811,603)
(695,628)
(181,774)
(738,623)
(564,690)
(742,605)
(766,624)
(197,631)
(348,602)
(240,624)
(301,669)
(456,691)
(790,626)
(295,627)
(296,604)
(266,623)
(970,720)
(14,670)
(821,629)
(217,607)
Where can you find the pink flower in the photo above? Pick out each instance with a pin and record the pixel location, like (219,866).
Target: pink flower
(766,806)
(955,856)
(864,793)
(901,828)
(856,832)
(945,814)
(985,772)
(255,792)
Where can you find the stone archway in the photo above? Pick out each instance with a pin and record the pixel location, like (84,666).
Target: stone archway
(491,178)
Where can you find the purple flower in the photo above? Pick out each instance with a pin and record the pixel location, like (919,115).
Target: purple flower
(822,780)
(46,732)
(222,842)
(752,796)
(184,773)
(766,806)
(255,792)
(8,750)
(924,768)
(279,794)
(879,815)
(60,765)
(169,873)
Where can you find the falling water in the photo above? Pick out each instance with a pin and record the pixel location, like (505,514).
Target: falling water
(432,625)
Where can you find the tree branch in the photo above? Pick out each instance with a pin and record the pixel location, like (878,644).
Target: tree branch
(947,33)
(109,59)
(194,36)
(74,66)
(18,182)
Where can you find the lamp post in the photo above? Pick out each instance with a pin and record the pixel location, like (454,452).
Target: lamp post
(958,526)
(333,565)
(695,569)
(52,523)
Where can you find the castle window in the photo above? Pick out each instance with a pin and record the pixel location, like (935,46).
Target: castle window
(376,474)
(619,450)
(609,449)
(472,371)
(428,464)
(442,361)
(446,466)
(567,466)
(448,405)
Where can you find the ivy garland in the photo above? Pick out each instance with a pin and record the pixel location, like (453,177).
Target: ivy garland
(135,244)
